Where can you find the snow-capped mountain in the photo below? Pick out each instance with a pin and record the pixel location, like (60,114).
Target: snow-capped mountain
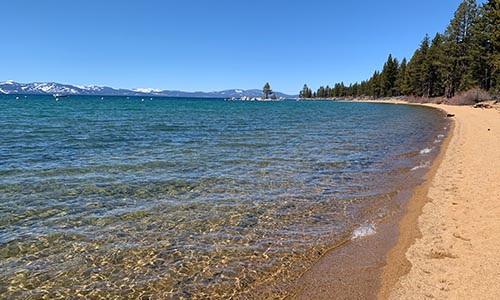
(49,88)
(146,90)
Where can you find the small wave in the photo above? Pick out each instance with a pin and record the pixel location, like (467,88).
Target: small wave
(363,231)
(425,165)
(439,138)
(425,151)
(410,154)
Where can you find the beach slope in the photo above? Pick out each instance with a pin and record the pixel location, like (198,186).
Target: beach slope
(455,253)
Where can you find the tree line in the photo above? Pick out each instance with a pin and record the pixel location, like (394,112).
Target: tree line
(465,56)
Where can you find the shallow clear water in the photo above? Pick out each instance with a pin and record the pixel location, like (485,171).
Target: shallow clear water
(190,198)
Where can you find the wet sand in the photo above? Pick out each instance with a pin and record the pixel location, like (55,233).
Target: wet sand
(449,241)
(349,272)
(353,270)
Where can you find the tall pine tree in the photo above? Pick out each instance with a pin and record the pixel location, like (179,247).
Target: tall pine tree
(413,84)
(491,15)
(400,78)
(388,77)
(266,90)
(374,83)
(481,50)
(465,56)
(305,92)
(432,69)
(458,38)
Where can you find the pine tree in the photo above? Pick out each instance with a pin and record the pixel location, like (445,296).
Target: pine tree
(465,56)
(413,84)
(354,90)
(374,84)
(480,50)
(321,92)
(432,69)
(491,15)
(266,90)
(336,90)
(400,78)
(343,90)
(305,92)
(363,89)
(388,77)
(459,75)
(328,91)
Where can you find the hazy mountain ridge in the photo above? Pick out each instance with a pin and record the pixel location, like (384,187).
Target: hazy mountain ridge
(49,88)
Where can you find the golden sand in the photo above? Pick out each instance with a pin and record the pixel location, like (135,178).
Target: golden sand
(448,245)
(449,242)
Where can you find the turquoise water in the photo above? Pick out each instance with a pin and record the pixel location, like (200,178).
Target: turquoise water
(189,198)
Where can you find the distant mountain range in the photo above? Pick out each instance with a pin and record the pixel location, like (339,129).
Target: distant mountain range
(50,88)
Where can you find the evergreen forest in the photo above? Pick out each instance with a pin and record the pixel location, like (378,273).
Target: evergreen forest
(465,57)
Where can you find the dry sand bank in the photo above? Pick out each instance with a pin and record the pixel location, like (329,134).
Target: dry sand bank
(449,243)
(353,270)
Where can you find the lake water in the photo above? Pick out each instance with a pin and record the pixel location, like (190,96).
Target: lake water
(136,198)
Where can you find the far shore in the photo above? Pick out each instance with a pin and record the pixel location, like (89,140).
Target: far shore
(449,238)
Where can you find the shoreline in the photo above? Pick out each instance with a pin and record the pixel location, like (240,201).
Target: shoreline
(425,260)
(448,242)
(396,263)
(354,270)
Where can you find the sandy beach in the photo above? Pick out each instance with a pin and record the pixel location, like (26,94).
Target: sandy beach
(449,241)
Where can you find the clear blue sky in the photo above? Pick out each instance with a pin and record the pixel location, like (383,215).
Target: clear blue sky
(206,45)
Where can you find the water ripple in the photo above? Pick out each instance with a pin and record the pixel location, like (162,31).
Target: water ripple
(192,199)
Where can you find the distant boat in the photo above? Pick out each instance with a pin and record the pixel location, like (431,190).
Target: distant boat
(59,95)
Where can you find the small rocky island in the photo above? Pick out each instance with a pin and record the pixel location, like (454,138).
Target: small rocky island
(266,91)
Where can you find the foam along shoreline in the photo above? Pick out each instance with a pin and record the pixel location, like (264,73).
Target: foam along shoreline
(449,238)
(354,269)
